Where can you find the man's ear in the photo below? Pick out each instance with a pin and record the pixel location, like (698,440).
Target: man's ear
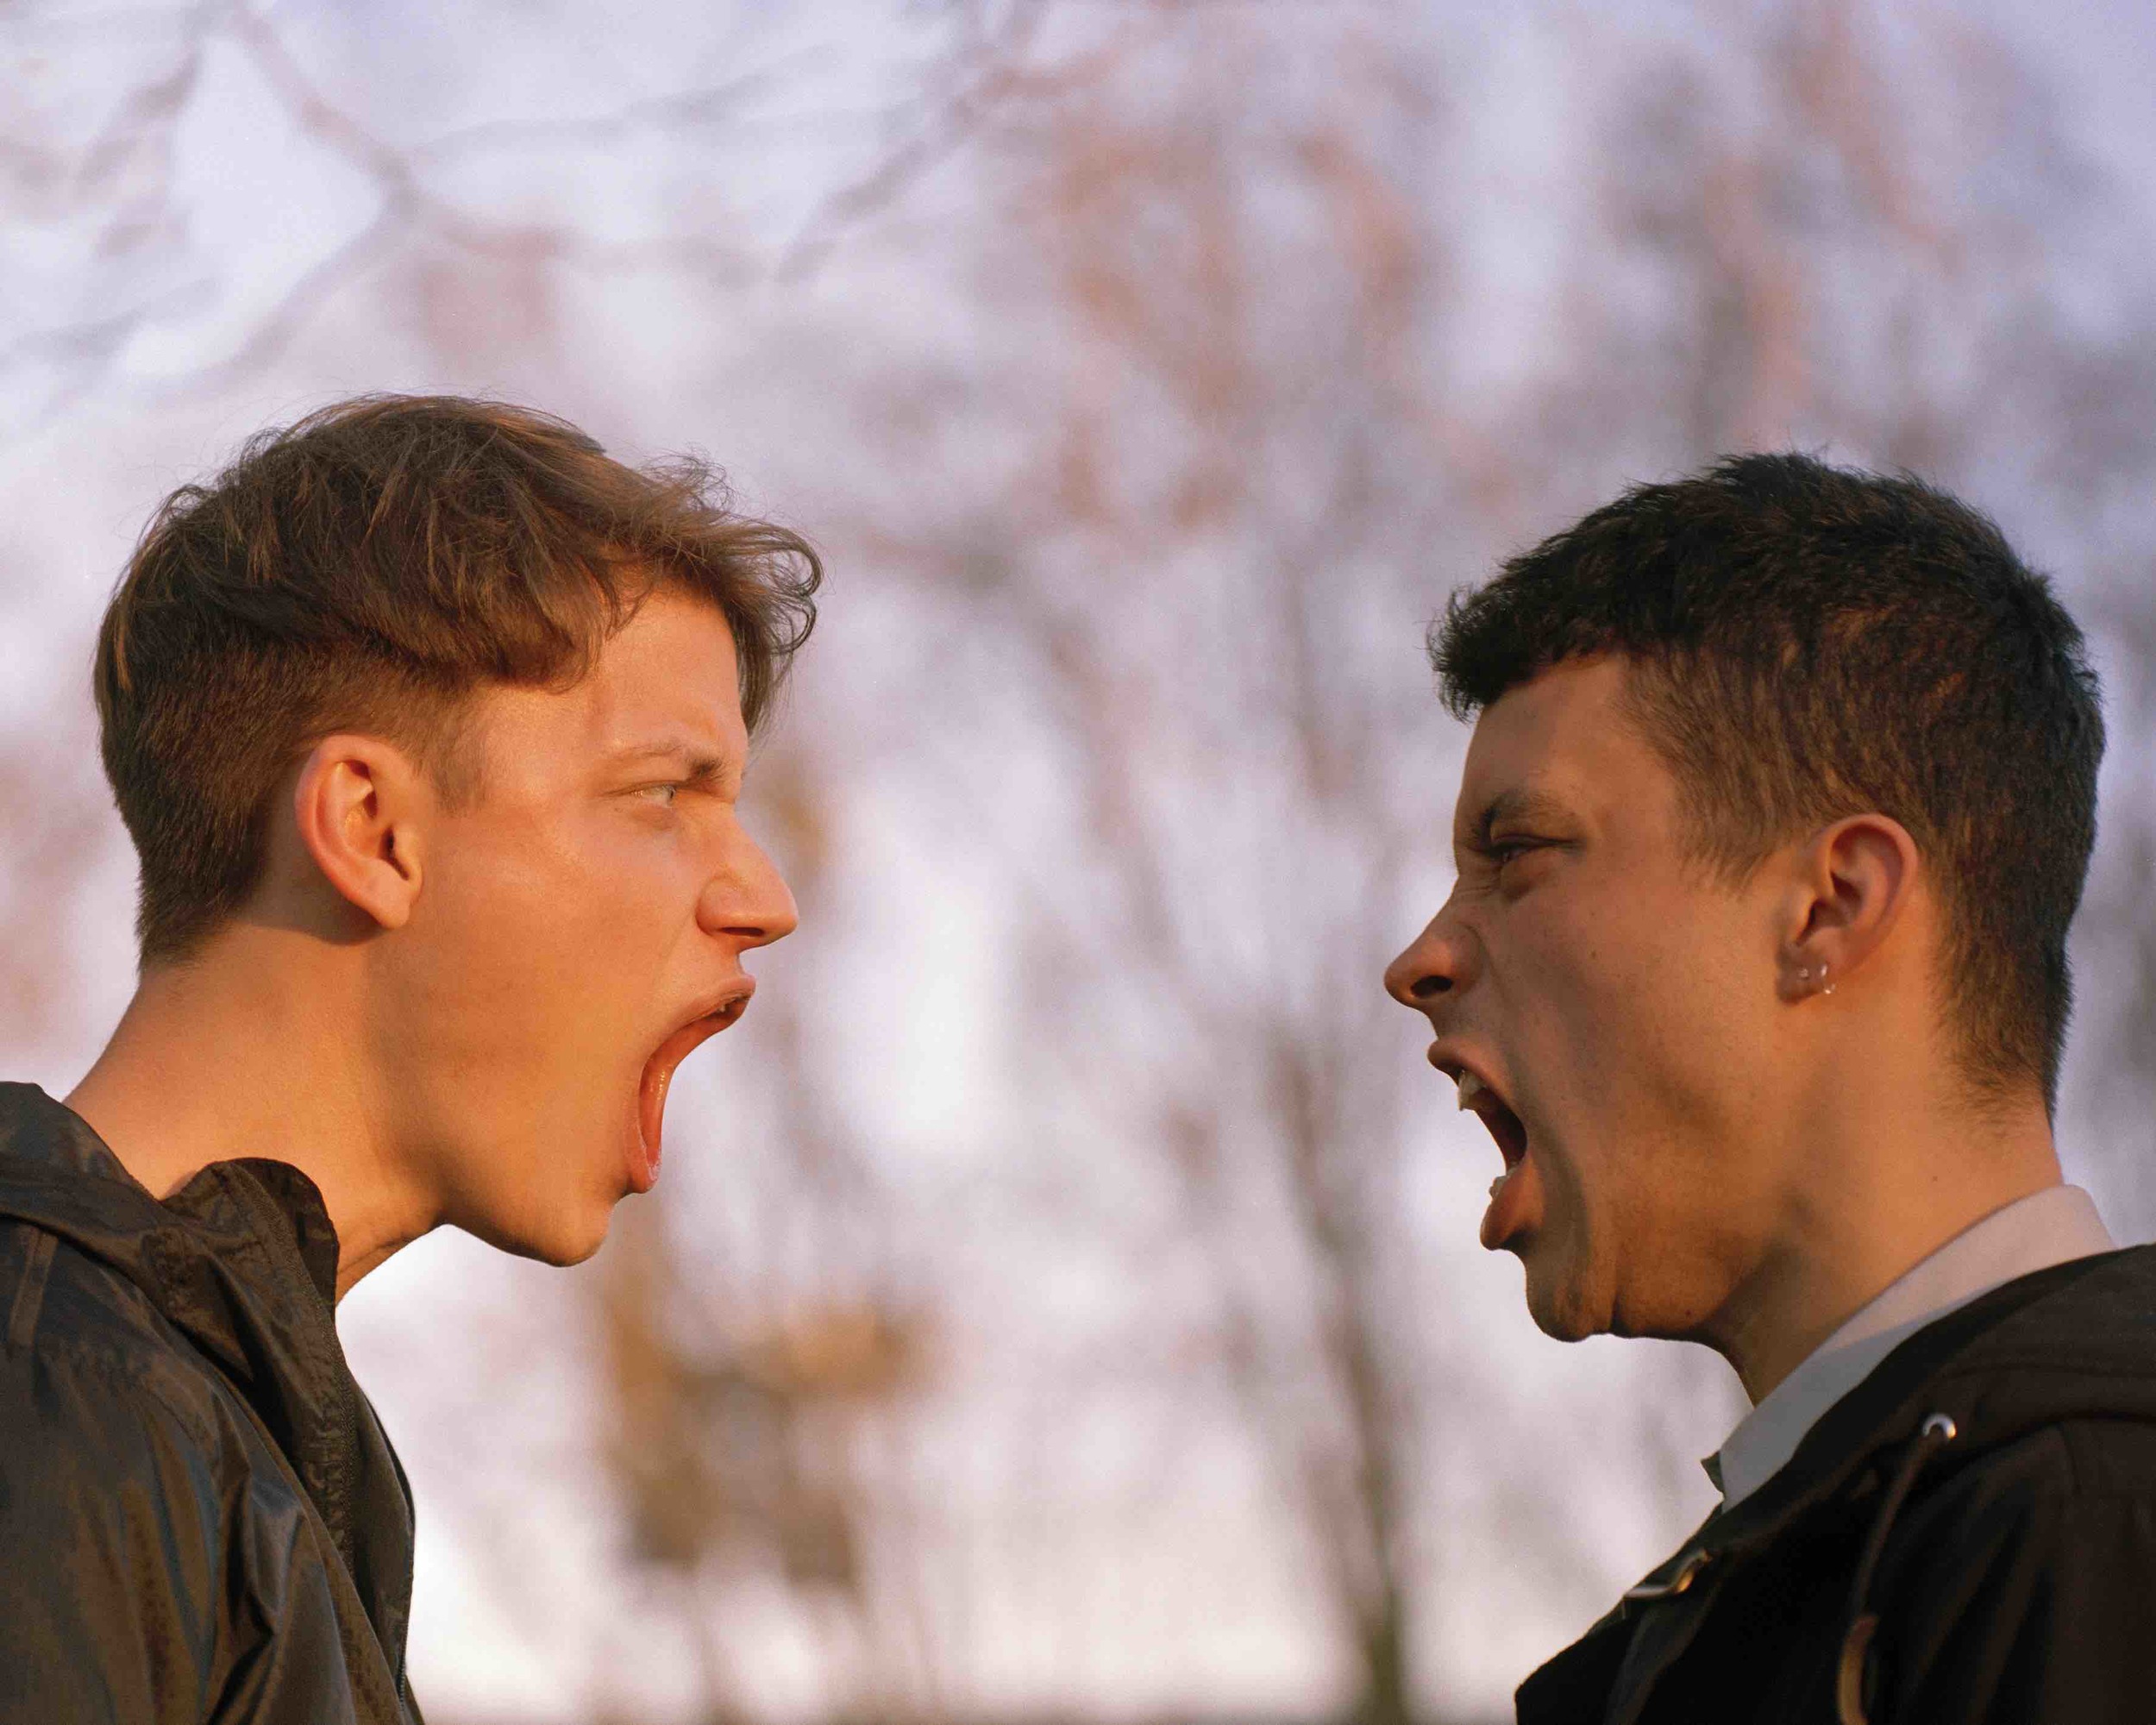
(358,804)
(1854,880)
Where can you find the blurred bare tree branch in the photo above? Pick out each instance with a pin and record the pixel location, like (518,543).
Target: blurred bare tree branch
(119,181)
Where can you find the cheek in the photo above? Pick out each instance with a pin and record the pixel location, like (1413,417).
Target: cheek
(1585,999)
(1654,1001)
(1636,1041)
(528,943)
(1710,1031)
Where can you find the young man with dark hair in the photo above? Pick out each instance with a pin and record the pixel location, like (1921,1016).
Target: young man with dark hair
(428,721)
(1775,813)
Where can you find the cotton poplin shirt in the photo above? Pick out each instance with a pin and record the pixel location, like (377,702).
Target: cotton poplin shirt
(2052,1227)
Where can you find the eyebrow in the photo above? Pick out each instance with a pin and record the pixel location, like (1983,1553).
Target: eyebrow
(1521,801)
(702,766)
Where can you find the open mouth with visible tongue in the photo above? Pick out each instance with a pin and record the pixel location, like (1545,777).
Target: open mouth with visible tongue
(658,1074)
(1514,1195)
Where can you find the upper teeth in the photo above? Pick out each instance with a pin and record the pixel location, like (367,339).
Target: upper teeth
(1471,1089)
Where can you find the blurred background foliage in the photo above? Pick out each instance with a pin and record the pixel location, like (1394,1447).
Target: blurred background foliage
(1063,1301)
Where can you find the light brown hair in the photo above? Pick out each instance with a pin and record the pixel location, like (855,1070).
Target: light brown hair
(367,568)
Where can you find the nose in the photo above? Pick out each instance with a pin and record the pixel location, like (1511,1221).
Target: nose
(1437,962)
(746,900)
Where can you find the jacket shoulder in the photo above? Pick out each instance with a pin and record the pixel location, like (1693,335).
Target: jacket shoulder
(144,1545)
(111,1501)
(2086,1456)
(68,1317)
(2027,1501)
(2023,1584)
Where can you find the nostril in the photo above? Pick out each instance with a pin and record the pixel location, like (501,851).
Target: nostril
(1424,986)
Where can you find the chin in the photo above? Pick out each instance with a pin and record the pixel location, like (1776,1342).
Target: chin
(573,1241)
(1557,1298)
(569,1234)
(566,1251)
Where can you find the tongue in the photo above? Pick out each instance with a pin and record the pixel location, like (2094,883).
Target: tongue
(651,1094)
(651,1109)
(651,1112)
(1514,1201)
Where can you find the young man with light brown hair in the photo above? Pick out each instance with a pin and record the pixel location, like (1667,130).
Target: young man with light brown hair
(428,720)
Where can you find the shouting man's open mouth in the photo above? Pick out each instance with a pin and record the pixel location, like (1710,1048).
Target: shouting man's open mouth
(1511,1194)
(712,1015)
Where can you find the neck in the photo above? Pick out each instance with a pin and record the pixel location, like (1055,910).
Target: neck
(248,1050)
(1879,1191)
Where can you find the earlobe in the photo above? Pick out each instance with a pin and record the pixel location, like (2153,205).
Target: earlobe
(1857,875)
(1815,980)
(354,804)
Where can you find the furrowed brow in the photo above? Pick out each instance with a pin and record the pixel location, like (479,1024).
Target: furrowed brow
(1521,802)
(698,767)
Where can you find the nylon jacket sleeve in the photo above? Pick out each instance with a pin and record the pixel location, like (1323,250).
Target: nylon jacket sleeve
(2028,1598)
(109,1546)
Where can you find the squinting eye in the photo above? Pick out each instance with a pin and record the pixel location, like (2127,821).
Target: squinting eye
(662,794)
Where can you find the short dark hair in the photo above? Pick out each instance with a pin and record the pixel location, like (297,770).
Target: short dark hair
(1809,641)
(368,567)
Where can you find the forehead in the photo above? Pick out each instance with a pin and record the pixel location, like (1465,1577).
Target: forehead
(1567,735)
(668,675)
(677,651)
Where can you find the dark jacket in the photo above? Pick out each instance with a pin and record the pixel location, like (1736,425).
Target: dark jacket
(1968,1536)
(200,1518)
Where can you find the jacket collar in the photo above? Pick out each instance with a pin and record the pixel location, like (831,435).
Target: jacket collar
(243,1255)
(242,1261)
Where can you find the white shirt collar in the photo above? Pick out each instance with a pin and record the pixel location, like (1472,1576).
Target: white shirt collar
(2052,1227)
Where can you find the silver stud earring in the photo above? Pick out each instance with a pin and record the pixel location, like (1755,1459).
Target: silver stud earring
(1825,987)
